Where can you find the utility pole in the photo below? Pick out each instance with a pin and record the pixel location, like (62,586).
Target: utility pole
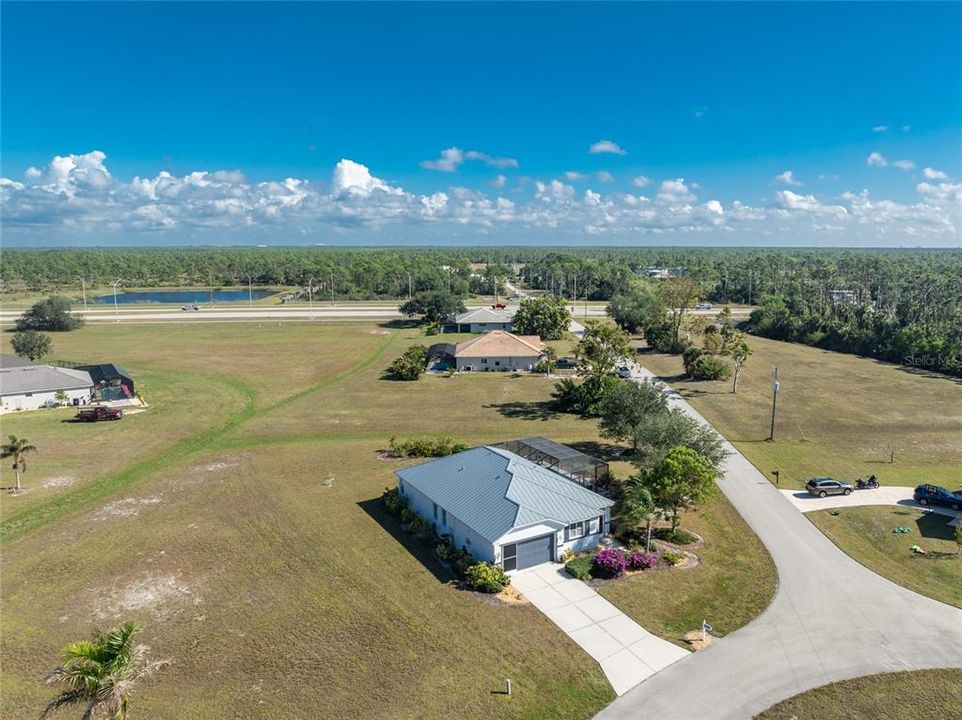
(210,281)
(775,388)
(83,285)
(749,287)
(116,314)
(310,297)
(250,290)
(410,287)
(332,286)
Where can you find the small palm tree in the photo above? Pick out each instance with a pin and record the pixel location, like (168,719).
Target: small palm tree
(17,448)
(638,507)
(101,673)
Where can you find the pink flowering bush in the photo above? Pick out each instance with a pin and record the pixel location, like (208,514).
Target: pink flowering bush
(640,560)
(609,563)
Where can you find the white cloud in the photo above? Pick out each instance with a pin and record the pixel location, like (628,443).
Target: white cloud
(641,181)
(942,192)
(880,128)
(572,176)
(606,146)
(605,176)
(500,181)
(788,200)
(933,174)
(351,178)
(876,159)
(453,157)
(675,191)
(904,165)
(787,178)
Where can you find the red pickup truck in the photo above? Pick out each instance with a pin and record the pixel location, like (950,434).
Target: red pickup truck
(499,306)
(99,413)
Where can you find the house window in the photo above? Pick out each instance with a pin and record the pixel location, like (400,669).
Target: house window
(435,511)
(594,525)
(576,530)
(497,363)
(484,361)
(509,556)
(444,517)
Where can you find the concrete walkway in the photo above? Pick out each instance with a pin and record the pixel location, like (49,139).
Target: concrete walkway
(625,650)
(831,619)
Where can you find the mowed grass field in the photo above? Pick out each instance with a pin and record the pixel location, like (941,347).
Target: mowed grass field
(837,415)
(866,533)
(918,695)
(843,416)
(274,593)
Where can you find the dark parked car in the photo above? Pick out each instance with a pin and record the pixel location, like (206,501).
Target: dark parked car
(935,495)
(565,363)
(99,413)
(822,486)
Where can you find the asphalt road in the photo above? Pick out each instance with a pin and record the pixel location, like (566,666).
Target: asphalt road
(831,619)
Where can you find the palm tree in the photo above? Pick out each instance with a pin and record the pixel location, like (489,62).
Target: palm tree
(638,507)
(101,673)
(17,448)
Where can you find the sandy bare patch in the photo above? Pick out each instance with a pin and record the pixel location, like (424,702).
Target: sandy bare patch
(510,596)
(378,332)
(60,481)
(125,508)
(158,595)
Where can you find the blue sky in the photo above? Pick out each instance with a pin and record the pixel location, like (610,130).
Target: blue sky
(137,123)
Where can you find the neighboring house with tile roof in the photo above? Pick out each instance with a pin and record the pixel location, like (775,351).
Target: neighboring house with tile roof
(505,509)
(29,386)
(499,350)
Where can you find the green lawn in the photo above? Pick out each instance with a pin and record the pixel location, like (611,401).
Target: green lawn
(734,582)
(919,695)
(866,534)
(838,415)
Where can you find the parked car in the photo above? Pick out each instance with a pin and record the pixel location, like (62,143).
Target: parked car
(499,306)
(566,363)
(624,372)
(190,306)
(99,413)
(704,306)
(822,486)
(936,495)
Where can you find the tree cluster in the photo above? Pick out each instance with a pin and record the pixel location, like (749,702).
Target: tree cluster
(411,365)
(53,313)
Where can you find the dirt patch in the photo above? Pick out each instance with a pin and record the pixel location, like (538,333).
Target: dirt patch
(60,481)
(127,507)
(510,596)
(694,639)
(378,332)
(158,595)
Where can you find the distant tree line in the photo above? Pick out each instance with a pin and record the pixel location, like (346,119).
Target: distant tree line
(897,305)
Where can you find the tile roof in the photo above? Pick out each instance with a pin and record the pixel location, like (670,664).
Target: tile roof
(493,490)
(500,343)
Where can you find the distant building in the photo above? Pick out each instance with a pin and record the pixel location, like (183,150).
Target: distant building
(660,272)
(26,385)
(111,382)
(477,321)
(849,297)
(494,351)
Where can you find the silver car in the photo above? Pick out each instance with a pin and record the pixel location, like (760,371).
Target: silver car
(822,486)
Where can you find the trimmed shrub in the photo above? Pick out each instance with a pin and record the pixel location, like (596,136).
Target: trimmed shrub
(640,560)
(609,563)
(710,367)
(689,358)
(394,502)
(408,516)
(679,537)
(426,447)
(444,549)
(411,364)
(486,577)
(580,567)
(462,560)
(422,528)
(673,558)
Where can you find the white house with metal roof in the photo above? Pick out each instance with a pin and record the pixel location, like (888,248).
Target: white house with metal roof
(28,386)
(477,321)
(505,509)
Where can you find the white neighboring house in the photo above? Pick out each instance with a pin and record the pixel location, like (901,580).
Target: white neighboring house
(505,509)
(28,386)
(499,351)
(478,321)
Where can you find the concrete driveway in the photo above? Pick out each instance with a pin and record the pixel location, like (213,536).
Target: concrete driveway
(831,619)
(885,495)
(625,650)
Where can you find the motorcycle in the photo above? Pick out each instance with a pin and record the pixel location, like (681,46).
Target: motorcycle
(871,484)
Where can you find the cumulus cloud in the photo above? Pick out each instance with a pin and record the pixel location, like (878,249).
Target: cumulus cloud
(606,146)
(454,157)
(77,193)
(605,176)
(572,176)
(904,165)
(641,181)
(675,191)
(787,178)
(880,128)
(933,174)
(876,159)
